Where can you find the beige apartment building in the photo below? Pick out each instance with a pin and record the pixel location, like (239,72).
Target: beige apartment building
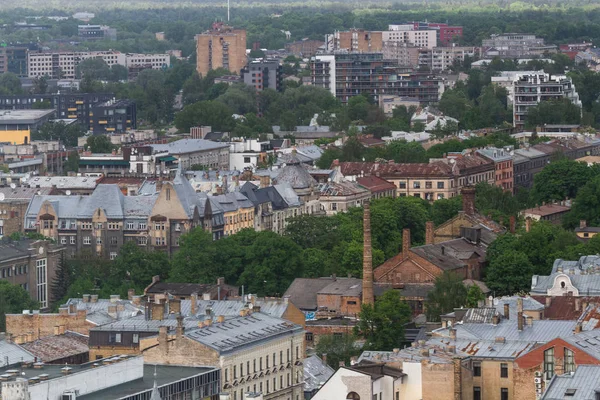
(221,47)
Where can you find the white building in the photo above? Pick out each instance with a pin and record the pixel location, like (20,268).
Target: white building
(63,65)
(442,58)
(407,34)
(363,382)
(248,153)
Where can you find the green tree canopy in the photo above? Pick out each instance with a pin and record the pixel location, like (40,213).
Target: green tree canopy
(13,300)
(99,144)
(561,179)
(205,113)
(448,293)
(382,324)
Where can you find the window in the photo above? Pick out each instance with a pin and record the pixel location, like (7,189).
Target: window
(416,185)
(549,363)
(142,226)
(136,338)
(113,240)
(130,226)
(333,206)
(113,255)
(569,361)
(63,240)
(476,393)
(72,240)
(234,372)
(254,369)
(87,240)
(352,396)
(226,375)
(428,185)
(168,194)
(267,361)
(440,185)
(476,368)
(402,185)
(503,370)
(297,353)
(504,394)
(246,160)
(260,364)
(98,240)
(99,225)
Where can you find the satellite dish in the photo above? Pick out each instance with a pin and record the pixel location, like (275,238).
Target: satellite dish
(12,186)
(251,306)
(1,196)
(68,192)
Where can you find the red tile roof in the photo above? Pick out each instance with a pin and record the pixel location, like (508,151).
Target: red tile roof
(547,209)
(392,169)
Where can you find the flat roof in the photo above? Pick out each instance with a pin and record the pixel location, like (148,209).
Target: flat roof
(165,375)
(23,116)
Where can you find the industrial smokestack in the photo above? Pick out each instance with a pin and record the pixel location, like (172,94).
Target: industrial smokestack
(367,289)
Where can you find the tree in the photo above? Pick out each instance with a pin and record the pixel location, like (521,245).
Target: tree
(10,84)
(138,266)
(13,300)
(118,73)
(61,282)
(40,85)
(67,134)
(445,209)
(509,273)
(586,205)
(474,296)
(207,113)
(560,111)
(337,349)
(93,68)
(382,324)
(72,163)
(195,260)
(99,144)
(448,293)
(559,180)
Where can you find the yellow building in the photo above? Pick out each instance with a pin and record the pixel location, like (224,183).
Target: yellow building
(15,136)
(238,212)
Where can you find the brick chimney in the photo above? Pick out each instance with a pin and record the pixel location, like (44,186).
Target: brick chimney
(194,303)
(511,222)
(468,200)
(520,313)
(506,311)
(528,224)
(130,294)
(367,289)
(179,330)
(429,231)
(582,223)
(405,242)
(163,340)
(157,311)
(174,306)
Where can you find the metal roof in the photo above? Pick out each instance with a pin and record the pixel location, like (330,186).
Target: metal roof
(232,308)
(316,373)
(583,384)
(66,182)
(241,332)
(51,348)
(21,193)
(184,146)
(12,353)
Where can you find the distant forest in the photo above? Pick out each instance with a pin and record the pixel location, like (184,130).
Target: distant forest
(181,21)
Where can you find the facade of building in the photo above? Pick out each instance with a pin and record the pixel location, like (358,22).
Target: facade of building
(441,59)
(32,264)
(350,74)
(304,48)
(113,116)
(221,47)
(63,65)
(13,206)
(189,152)
(552,213)
(263,74)
(515,45)
(338,197)
(503,165)
(407,34)
(16,125)
(255,353)
(530,90)
(96,32)
(355,40)
(101,222)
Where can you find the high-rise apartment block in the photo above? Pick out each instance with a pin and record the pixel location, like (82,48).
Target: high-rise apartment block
(263,74)
(351,74)
(355,40)
(221,47)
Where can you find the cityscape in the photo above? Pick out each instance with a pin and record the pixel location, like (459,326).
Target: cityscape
(285,201)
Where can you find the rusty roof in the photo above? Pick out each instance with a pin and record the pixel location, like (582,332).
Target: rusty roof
(51,348)
(375,184)
(563,307)
(391,169)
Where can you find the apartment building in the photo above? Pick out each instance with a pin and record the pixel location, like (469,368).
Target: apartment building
(63,65)
(407,55)
(13,206)
(531,89)
(32,264)
(238,212)
(67,105)
(263,74)
(503,165)
(101,222)
(191,152)
(440,59)
(515,45)
(89,32)
(221,47)
(409,35)
(113,116)
(254,351)
(350,74)
(355,40)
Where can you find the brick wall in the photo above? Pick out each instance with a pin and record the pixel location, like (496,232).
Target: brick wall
(41,325)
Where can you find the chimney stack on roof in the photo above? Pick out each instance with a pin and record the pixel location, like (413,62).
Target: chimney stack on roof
(520,313)
(429,232)
(367,286)
(405,242)
(512,224)
(468,200)
(582,223)
(528,224)
(194,303)
(506,311)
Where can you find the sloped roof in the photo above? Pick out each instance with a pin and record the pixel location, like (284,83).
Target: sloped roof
(51,348)
(583,384)
(295,175)
(303,291)
(316,373)
(12,353)
(375,184)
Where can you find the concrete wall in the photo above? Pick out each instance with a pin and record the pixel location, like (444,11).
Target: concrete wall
(40,325)
(343,382)
(412,387)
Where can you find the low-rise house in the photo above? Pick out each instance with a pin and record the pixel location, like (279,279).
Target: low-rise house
(238,212)
(363,381)
(584,232)
(552,213)
(569,278)
(503,165)
(378,187)
(184,291)
(62,348)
